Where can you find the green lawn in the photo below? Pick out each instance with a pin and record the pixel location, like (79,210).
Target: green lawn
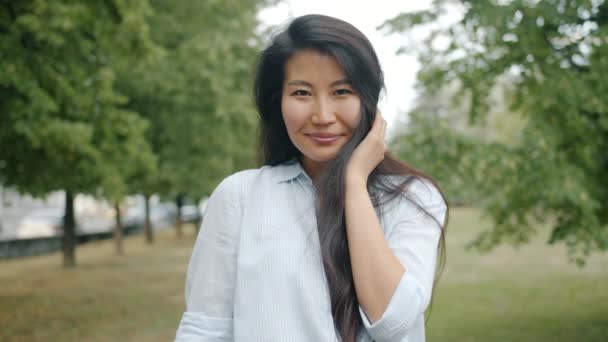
(137,297)
(530,294)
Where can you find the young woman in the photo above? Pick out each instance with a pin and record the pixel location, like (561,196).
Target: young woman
(332,239)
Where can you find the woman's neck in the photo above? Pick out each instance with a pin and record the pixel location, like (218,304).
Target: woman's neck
(312,168)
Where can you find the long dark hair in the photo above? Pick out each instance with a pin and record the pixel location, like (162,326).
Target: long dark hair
(355,54)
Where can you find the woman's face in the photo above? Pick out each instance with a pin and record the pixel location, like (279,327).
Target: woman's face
(320,107)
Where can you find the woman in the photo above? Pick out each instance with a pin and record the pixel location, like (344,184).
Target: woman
(332,239)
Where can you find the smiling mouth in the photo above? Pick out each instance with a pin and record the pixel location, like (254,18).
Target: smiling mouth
(323,138)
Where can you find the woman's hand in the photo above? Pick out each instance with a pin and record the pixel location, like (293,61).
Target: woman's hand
(368,154)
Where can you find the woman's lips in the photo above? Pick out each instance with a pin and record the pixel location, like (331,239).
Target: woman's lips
(323,138)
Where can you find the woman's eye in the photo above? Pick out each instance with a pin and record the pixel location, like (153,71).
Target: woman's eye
(343,92)
(300,93)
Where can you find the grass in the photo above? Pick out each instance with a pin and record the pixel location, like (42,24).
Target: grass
(136,297)
(528,294)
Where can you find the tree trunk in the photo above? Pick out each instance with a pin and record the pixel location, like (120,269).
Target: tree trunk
(69,231)
(147,224)
(179,201)
(118,231)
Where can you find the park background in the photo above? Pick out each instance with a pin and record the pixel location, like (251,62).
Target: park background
(152,99)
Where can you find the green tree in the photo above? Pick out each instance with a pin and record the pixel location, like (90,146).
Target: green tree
(62,123)
(438,137)
(196,95)
(555,55)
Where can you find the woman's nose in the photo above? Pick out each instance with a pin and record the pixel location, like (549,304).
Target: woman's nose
(324,113)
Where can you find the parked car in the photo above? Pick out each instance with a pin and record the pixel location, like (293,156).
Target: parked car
(45,222)
(190,213)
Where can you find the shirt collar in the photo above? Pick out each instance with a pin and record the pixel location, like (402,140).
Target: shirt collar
(290,170)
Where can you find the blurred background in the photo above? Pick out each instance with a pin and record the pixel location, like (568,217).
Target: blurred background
(119,118)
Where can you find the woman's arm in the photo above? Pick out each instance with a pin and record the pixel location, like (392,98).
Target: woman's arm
(393,276)
(210,281)
(376,270)
(398,270)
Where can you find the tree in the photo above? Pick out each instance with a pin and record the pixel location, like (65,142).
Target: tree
(63,125)
(438,138)
(554,54)
(197,97)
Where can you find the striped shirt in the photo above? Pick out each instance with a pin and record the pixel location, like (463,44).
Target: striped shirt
(256,272)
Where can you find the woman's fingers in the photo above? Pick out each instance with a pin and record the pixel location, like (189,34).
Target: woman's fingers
(381,125)
(383,128)
(378,126)
(384,135)
(370,151)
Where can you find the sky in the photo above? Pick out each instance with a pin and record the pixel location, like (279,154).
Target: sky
(399,70)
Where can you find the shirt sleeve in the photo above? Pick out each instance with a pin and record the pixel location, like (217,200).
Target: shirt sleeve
(413,239)
(210,281)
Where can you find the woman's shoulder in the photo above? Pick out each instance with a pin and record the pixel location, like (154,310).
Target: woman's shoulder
(240,177)
(419,185)
(417,191)
(262,176)
(425,190)
(417,196)
(234,183)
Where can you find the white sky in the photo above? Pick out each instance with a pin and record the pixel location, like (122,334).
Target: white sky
(399,71)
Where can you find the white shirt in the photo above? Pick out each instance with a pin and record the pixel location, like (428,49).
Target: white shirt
(256,272)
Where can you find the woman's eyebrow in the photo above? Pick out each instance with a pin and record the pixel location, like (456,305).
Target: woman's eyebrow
(308,84)
(341,82)
(299,83)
